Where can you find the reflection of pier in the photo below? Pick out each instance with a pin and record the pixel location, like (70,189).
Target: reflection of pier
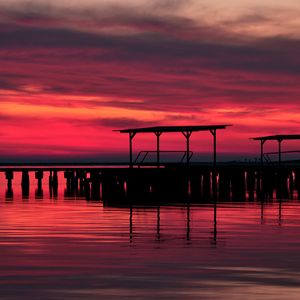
(188,235)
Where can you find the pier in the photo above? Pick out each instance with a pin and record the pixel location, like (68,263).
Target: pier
(186,131)
(139,182)
(171,183)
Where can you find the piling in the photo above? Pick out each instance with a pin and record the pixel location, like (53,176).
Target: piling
(224,185)
(25,183)
(9,176)
(238,184)
(39,176)
(250,184)
(95,185)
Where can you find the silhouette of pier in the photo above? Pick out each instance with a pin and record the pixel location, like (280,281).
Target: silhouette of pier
(167,184)
(279,138)
(185,130)
(161,182)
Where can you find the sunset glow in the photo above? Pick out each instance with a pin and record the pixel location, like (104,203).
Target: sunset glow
(72,71)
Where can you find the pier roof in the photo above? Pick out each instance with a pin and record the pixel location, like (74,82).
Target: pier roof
(185,130)
(277,137)
(173,128)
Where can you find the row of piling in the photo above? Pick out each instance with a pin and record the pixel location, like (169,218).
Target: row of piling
(170,184)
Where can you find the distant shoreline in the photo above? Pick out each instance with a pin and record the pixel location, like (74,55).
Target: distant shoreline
(124,164)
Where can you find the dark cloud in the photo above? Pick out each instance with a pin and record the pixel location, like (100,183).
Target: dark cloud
(125,123)
(119,123)
(170,4)
(181,117)
(150,18)
(44,37)
(116,123)
(7,84)
(6,119)
(268,55)
(249,19)
(170,63)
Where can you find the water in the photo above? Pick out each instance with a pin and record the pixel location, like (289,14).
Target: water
(68,248)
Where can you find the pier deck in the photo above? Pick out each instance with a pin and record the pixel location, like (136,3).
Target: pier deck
(170,183)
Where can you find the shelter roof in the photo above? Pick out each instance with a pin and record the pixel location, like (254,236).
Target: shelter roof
(173,128)
(277,137)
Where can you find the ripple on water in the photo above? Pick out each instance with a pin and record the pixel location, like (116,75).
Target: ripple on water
(72,249)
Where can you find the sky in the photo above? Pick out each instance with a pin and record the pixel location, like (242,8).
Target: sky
(72,71)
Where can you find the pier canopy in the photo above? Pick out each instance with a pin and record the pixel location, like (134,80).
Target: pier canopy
(279,138)
(185,130)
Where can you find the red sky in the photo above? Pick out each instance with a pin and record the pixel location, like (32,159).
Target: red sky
(71,71)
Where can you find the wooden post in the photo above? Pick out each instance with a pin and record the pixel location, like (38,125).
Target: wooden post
(262,151)
(131,136)
(158,134)
(214,133)
(214,173)
(279,150)
(187,135)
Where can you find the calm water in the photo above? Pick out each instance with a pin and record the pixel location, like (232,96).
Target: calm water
(68,248)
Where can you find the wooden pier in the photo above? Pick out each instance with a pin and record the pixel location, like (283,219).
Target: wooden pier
(158,182)
(171,183)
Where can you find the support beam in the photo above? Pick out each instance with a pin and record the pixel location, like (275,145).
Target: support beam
(262,151)
(214,133)
(214,173)
(131,136)
(187,135)
(158,134)
(279,150)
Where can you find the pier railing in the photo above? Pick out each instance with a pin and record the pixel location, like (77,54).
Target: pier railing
(267,156)
(143,155)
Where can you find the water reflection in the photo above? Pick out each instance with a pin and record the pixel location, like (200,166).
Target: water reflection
(53,192)
(262,210)
(9,194)
(215,223)
(130,224)
(158,224)
(71,194)
(73,248)
(213,216)
(39,193)
(188,210)
(279,212)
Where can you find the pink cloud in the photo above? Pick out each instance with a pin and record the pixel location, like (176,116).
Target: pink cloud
(171,68)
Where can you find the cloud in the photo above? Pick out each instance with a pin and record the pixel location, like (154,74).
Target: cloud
(174,62)
(115,123)
(165,74)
